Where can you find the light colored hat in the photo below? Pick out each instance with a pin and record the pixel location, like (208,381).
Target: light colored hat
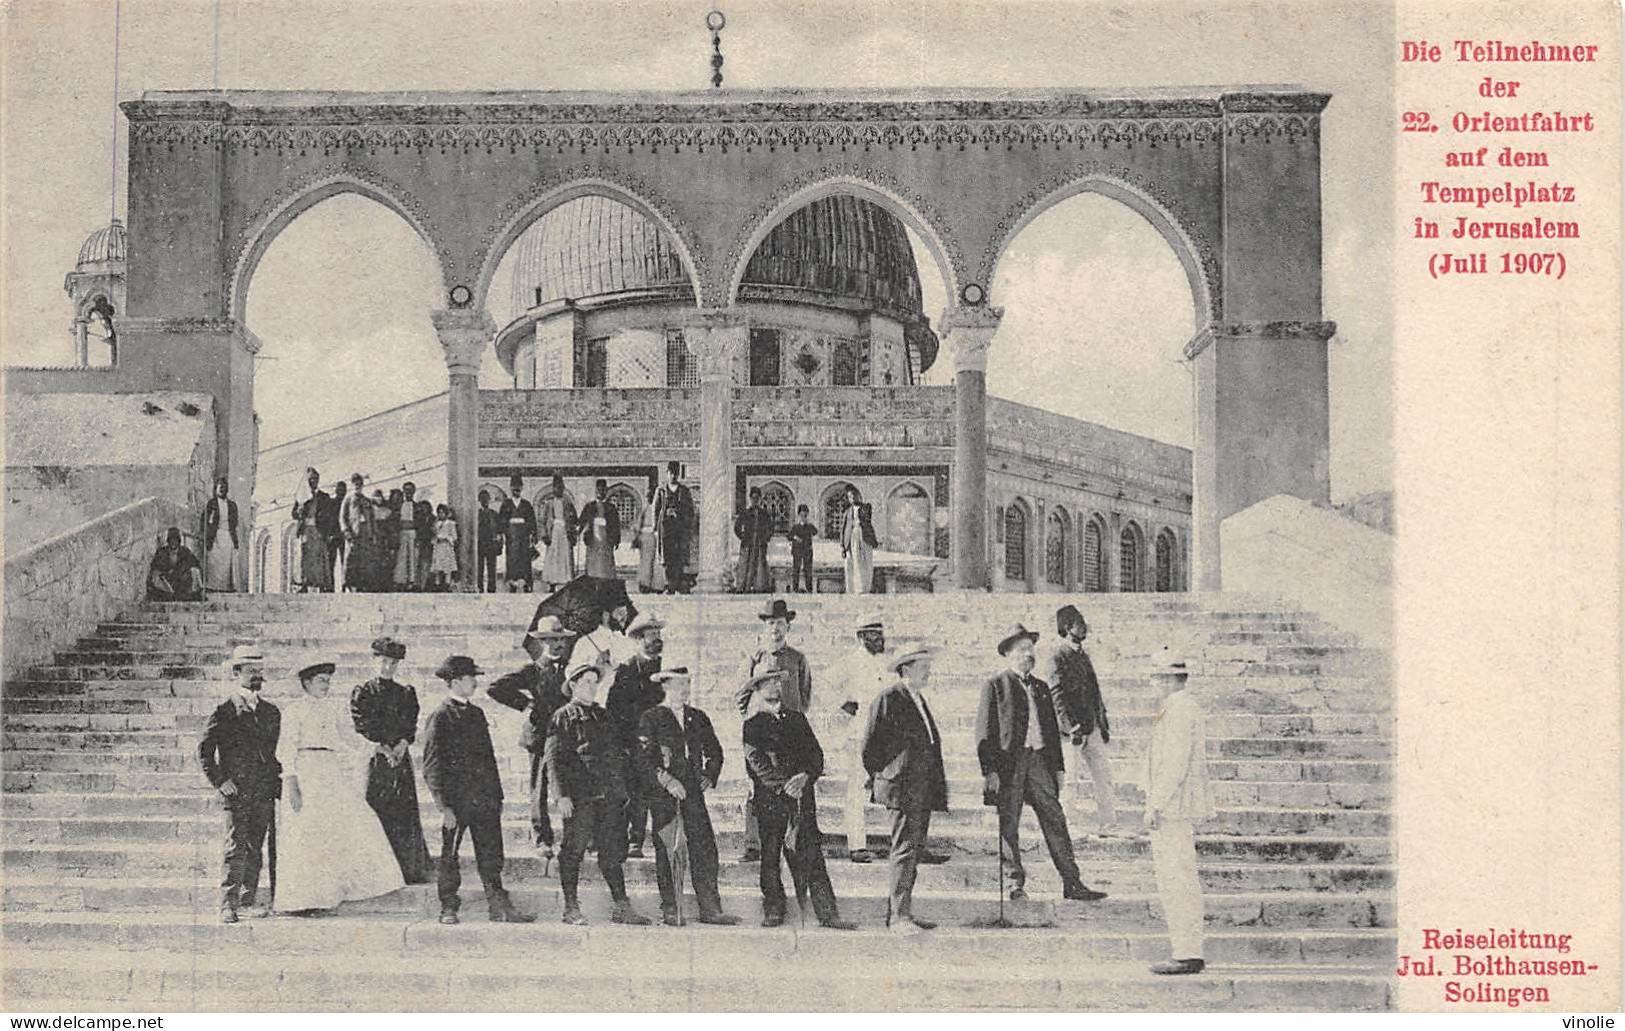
(663,675)
(548,628)
(644,621)
(870,621)
(583,667)
(755,683)
(241,655)
(906,655)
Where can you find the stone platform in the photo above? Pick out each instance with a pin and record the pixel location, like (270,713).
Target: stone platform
(110,835)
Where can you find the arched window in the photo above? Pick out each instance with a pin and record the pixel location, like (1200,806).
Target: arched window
(780,504)
(290,557)
(1167,545)
(833,506)
(1015,543)
(1094,555)
(908,520)
(262,558)
(627,505)
(1132,550)
(1055,547)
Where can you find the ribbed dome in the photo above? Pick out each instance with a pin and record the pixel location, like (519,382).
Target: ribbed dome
(109,243)
(589,247)
(842,246)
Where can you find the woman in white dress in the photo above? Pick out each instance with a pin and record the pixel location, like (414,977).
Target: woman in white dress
(331,847)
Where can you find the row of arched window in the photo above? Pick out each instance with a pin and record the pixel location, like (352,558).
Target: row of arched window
(1089,553)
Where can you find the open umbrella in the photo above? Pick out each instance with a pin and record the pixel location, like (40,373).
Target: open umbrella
(580,604)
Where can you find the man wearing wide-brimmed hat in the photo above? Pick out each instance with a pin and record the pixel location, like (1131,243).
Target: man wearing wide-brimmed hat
(1177,798)
(588,780)
(1018,745)
(386,713)
(902,752)
(774,656)
(537,690)
(460,768)
(238,755)
(631,692)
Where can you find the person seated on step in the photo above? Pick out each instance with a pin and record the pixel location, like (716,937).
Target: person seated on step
(785,761)
(678,759)
(460,768)
(174,574)
(238,755)
(1177,798)
(587,781)
(1018,745)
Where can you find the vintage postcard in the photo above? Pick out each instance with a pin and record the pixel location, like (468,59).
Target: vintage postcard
(846,506)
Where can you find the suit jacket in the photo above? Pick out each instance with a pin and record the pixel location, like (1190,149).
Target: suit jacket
(1175,765)
(584,757)
(629,694)
(490,531)
(459,764)
(687,751)
(1076,690)
(777,747)
(536,692)
(384,712)
(612,521)
(239,745)
(1001,723)
(797,678)
(423,522)
(904,755)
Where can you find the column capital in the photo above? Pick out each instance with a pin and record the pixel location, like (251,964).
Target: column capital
(715,336)
(1303,332)
(464,335)
(968,331)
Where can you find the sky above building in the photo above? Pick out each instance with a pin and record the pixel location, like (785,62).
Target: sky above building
(1097,307)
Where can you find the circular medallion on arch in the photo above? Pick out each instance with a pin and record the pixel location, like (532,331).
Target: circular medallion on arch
(461,296)
(716,21)
(973,294)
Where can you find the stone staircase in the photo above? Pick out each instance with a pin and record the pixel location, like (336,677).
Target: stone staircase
(111,836)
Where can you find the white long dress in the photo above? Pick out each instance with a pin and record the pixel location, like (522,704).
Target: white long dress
(333,849)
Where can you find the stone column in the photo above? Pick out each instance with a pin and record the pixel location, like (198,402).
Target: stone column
(1114,551)
(968,333)
(1263,425)
(81,343)
(464,334)
(716,337)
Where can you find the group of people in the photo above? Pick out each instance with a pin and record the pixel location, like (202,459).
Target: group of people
(176,574)
(645,757)
(518,534)
(352,542)
(755,529)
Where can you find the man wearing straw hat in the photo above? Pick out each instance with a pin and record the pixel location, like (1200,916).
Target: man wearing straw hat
(1177,798)
(1018,745)
(587,779)
(238,755)
(678,759)
(902,752)
(537,690)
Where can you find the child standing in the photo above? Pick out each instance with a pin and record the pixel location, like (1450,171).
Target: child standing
(443,567)
(801,551)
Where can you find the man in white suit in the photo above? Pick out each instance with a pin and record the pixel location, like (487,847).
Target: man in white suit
(1177,798)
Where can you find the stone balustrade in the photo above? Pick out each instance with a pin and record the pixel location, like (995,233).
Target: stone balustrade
(60,589)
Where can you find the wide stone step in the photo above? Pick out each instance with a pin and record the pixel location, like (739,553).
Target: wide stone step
(682,970)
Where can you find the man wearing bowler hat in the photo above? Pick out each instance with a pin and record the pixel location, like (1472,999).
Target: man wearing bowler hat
(386,713)
(238,755)
(775,655)
(902,752)
(537,690)
(1018,745)
(678,759)
(460,768)
(633,691)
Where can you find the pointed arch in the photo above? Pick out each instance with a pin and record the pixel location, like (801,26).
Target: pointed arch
(870,185)
(261,230)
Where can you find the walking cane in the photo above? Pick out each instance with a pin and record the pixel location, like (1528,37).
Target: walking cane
(270,853)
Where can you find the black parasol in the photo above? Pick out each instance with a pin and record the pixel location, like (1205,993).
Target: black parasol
(580,604)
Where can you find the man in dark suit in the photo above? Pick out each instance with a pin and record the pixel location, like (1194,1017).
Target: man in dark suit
(633,691)
(460,768)
(1018,745)
(784,760)
(678,759)
(1080,709)
(490,546)
(538,692)
(674,521)
(238,755)
(386,713)
(902,753)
